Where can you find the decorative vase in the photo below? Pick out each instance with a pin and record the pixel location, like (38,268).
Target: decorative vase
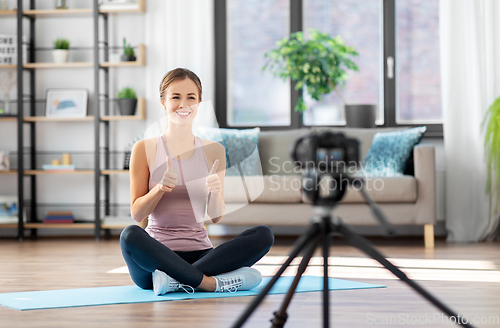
(60,55)
(360,116)
(126,106)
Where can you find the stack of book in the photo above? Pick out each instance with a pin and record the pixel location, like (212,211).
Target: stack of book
(59,217)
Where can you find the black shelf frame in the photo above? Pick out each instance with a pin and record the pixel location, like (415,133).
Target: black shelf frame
(100,100)
(32,125)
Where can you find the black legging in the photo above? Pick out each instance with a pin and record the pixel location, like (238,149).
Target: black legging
(144,254)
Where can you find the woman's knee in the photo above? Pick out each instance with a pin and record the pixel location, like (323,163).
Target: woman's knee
(266,236)
(129,234)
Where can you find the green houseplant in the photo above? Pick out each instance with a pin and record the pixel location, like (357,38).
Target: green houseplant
(491,126)
(60,53)
(320,64)
(128,52)
(127,101)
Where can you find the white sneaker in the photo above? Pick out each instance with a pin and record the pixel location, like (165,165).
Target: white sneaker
(163,283)
(241,279)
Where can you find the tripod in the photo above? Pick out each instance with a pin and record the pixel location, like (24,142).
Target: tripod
(319,231)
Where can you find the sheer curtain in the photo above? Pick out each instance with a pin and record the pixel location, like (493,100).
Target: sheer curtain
(179,33)
(470,69)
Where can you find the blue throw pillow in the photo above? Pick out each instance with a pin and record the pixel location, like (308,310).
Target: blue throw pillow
(390,151)
(241,148)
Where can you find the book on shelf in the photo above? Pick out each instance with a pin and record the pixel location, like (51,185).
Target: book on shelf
(63,213)
(58,221)
(48,167)
(59,217)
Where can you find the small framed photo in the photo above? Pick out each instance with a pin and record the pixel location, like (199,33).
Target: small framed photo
(66,103)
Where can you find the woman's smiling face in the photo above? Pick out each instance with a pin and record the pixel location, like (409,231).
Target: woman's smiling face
(182,102)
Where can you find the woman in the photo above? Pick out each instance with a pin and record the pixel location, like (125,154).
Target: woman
(174,178)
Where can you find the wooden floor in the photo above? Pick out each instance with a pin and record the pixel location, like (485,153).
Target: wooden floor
(465,276)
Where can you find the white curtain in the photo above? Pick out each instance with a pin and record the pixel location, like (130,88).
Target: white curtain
(470,72)
(179,33)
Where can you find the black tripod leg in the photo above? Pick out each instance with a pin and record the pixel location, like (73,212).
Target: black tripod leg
(281,315)
(325,241)
(306,238)
(364,245)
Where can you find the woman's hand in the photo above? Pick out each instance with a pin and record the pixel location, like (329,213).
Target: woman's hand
(169,178)
(213,181)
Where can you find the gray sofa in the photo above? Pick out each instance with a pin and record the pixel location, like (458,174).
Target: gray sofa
(274,199)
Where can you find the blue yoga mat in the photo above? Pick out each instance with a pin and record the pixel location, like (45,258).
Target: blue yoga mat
(50,299)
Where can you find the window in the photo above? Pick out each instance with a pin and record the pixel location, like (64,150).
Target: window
(407,31)
(359,25)
(418,89)
(255,97)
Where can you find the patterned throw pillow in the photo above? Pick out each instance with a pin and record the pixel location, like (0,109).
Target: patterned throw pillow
(241,148)
(390,151)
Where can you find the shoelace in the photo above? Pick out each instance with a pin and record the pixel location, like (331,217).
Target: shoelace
(175,285)
(184,288)
(230,285)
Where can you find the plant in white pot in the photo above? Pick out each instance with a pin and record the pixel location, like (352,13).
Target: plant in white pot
(61,51)
(320,64)
(127,101)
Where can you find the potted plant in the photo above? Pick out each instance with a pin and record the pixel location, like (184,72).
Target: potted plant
(60,53)
(491,125)
(127,101)
(128,52)
(320,64)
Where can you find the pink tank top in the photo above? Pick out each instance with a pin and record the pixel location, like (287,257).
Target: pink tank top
(177,220)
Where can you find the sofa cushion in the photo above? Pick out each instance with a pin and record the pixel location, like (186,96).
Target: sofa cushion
(400,189)
(262,189)
(390,152)
(300,214)
(274,151)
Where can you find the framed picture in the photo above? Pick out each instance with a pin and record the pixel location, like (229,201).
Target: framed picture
(66,103)
(9,210)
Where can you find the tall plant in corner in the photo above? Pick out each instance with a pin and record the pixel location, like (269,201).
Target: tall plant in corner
(491,124)
(320,63)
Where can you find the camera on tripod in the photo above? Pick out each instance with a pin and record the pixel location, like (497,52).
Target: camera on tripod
(330,156)
(326,159)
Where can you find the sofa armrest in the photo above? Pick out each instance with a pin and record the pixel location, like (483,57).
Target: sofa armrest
(425,173)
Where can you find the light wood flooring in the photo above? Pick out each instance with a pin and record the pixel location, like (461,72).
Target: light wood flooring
(464,276)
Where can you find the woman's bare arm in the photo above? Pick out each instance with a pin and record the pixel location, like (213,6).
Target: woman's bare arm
(142,200)
(216,205)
